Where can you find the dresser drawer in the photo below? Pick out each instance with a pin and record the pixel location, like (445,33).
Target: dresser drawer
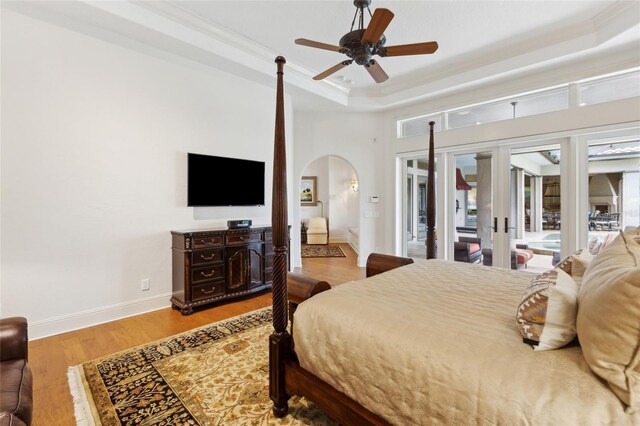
(207,241)
(205,291)
(199,257)
(207,273)
(245,237)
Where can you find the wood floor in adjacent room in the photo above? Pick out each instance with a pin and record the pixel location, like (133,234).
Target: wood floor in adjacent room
(52,356)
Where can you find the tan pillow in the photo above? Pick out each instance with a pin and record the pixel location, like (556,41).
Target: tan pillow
(608,320)
(546,316)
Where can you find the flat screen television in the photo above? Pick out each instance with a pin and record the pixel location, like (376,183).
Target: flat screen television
(223,181)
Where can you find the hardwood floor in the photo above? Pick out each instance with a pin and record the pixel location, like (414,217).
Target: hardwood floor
(51,357)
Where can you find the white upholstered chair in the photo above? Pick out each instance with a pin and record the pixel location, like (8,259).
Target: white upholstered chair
(317,232)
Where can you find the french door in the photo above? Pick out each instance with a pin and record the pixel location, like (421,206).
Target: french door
(507,204)
(478,215)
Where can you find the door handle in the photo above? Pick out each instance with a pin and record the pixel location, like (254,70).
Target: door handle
(495,224)
(506,225)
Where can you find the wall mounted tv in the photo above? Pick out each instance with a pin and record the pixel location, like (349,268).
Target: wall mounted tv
(223,181)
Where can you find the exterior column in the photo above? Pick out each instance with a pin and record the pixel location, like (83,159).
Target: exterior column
(484,213)
(629,206)
(536,203)
(517,204)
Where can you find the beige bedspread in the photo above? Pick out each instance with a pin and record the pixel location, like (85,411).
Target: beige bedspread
(436,342)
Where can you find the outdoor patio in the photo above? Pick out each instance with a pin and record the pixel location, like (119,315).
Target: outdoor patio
(543,244)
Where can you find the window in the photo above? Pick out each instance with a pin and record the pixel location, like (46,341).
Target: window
(418,126)
(521,106)
(609,89)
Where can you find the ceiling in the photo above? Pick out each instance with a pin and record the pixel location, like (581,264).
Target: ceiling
(479,41)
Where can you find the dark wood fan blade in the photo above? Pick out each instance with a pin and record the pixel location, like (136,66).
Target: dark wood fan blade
(376,72)
(409,49)
(331,70)
(317,44)
(379,22)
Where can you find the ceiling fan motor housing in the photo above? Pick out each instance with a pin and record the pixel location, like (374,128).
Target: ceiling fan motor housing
(361,4)
(360,52)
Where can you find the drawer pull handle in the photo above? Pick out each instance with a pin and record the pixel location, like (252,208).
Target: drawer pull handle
(208,292)
(209,241)
(208,275)
(203,257)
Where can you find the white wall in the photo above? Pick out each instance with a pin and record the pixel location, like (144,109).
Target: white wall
(94,143)
(340,177)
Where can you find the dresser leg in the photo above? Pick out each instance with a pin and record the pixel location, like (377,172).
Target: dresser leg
(187,311)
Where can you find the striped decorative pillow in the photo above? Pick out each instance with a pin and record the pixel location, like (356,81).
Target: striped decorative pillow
(546,316)
(575,264)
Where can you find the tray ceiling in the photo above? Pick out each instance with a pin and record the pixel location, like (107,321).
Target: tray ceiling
(480,41)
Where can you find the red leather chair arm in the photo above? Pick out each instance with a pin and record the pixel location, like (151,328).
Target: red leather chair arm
(13,338)
(475,240)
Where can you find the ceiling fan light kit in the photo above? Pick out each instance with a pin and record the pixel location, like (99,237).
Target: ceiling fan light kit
(361,44)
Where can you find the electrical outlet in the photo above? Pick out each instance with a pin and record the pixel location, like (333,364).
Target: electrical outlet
(145,284)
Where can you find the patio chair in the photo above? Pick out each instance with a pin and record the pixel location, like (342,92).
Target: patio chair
(468,249)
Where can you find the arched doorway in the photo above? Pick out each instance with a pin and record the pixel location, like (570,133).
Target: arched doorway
(336,199)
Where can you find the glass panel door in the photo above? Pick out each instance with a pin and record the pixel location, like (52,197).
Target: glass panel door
(415,205)
(613,190)
(474,212)
(534,219)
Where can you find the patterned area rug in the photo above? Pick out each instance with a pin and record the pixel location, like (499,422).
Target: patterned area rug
(214,375)
(322,250)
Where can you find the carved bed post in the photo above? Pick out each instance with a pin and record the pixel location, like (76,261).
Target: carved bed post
(432,248)
(280,339)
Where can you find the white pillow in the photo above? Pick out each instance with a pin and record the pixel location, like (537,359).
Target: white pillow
(594,245)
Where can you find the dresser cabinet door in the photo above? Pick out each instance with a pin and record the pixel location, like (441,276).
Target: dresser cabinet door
(256,265)
(237,265)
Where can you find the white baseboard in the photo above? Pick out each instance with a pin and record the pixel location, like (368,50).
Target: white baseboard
(355,247)
(91,317)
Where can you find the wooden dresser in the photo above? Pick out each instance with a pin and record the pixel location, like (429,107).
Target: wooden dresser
(217,264)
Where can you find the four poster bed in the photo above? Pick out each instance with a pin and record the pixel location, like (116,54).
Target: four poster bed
(418,342)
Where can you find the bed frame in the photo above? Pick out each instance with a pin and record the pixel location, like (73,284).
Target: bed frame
(286,376)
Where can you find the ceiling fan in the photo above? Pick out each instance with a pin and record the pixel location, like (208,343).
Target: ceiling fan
(362,44)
